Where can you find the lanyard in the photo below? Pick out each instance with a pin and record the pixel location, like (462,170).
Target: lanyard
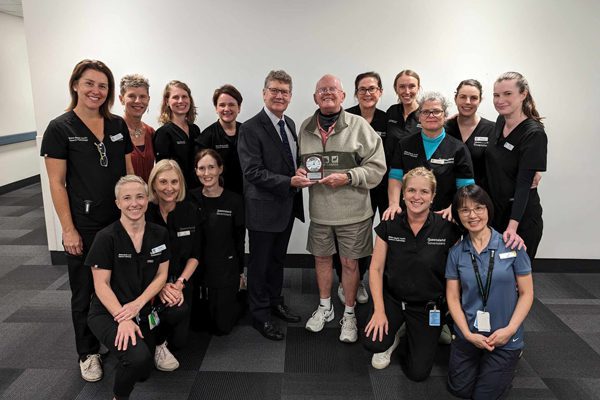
(485,292)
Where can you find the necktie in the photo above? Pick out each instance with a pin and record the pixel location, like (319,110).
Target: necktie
(285,141)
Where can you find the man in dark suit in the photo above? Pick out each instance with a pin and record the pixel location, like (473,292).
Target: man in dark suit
(268,150)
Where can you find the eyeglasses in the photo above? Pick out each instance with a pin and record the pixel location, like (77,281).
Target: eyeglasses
(102,151)
(275,91)
(371,90)
(326,90)
(435,113)
(478,210)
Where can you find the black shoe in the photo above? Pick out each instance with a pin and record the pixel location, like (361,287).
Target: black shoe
(268,330)
(283,312)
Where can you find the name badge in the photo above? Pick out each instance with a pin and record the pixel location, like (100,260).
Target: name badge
(183,233)
(508,146)
(118,136)
(434,318)
(441,161)
(158,249)
(510,254)
(482,321)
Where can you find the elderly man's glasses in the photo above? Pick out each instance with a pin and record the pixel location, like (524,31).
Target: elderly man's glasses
(325,90)
(478,210)
(436,113)
(102,151)
(370,90)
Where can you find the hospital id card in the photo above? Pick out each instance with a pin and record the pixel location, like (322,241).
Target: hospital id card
(153,319)
(482,321)
(434,318)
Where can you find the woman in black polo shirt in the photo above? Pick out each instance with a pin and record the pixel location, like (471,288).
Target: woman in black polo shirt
(86,151)
(517,150)
(176,139)
(129,260)
(222,246)
(407,279)
(222,135)
(169,209)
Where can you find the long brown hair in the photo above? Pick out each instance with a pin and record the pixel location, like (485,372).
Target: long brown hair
(528,106)
(165,112)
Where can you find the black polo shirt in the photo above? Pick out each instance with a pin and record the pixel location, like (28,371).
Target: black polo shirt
(184,238)
(450,161)
(415,265)
(525,148)
(131,272)
(170,141)
(214,137)
(398,128)
(223,235)
(476,143)
(90,186)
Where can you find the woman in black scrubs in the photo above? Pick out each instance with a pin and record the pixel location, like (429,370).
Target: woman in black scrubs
(86,151)
(407,279)
(222,135)
(223,235)
(168,208)
(468,127)
(402,117)
(517,150)
(367,90)
(176,139)
(129,261)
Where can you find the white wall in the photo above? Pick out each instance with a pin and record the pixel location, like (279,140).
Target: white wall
(206,44)
(17,161)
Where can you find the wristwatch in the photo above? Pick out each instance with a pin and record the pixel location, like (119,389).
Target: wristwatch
(349,175)
(182,280)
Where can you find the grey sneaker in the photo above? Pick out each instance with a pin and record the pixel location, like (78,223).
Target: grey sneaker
(91,368)
(319,318)
(382,360)
(349,331)
(362,296)
(341,294)
(164,359)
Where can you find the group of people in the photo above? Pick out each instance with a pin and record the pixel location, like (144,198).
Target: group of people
(154,223)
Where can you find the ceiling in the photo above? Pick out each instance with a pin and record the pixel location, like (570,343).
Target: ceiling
(12,7)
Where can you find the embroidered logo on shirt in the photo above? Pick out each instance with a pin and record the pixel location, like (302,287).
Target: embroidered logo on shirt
(393,121)
(396,239)
(480,141)
(180,142)
(157,250)
(117,137)
(436,242)
(123,255)
(224,213)
(221,146)
(78,139)
(408,153)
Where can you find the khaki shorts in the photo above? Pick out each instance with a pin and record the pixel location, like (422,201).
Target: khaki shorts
(354,240)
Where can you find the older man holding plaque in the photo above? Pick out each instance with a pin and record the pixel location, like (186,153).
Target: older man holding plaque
(344,156)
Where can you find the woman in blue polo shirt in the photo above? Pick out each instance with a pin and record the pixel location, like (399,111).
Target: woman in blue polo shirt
(482,274)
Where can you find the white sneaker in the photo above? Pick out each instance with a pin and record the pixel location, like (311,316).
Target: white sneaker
(362,296)
(341,294)
(445,335)
(164,359)
(319,318)
(91,368)
(349,332)
(382,360)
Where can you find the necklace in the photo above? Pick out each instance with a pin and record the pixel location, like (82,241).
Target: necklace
(137,133)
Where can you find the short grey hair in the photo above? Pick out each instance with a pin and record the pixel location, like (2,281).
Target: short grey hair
(433,96)
(278,75)
(129,179)
(133,81)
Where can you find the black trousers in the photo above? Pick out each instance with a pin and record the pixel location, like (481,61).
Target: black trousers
(82,289)
(419,348)
(265,270)
(476,374)
(174,325)
(135,363)
(224,308)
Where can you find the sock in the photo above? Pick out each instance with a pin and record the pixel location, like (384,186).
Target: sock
(349,310)
(325,303)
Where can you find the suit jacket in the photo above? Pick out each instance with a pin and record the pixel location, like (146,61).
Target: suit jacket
(268,196)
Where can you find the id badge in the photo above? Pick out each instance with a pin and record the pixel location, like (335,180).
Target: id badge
(153,319)
(482,321)
(434,318)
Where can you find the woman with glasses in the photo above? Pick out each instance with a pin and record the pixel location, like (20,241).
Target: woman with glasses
(402,117)
(482,274)
(86,151)
(176,139)
(517,150)
(468,127)
(222,136)
(367,90)
(446,156)
(168,208)
(135,98)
